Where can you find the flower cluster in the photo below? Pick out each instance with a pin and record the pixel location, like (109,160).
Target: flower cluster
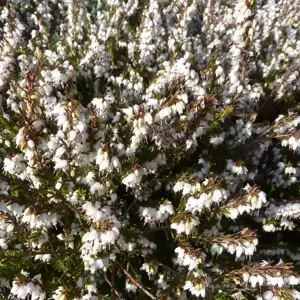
(22,287)
(247,201)
(191,260)
(268,275)
(243,243)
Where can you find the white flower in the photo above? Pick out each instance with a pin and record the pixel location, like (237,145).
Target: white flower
(239,251)
(260,280)
(219,195)
(97,188)
(110,236)
(116,163)
(290,170)
(130,287)
(60,151)
(269,227)
(163,113)
(239,170)
(268,295)
(197,289)
(253,280)
(128,111)
(186,227)
(133,179)
(246,276)
(43,257)
(217,140)
(294,144)
(72,135)
(233,213)
(216,249)
(61,164)
(293,280)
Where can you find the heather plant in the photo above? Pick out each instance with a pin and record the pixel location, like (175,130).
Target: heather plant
(149,149)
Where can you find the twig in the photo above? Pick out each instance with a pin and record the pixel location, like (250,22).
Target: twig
(136,282)
(130,206)
(113,281)
(114,291)
(166,267)
(166,228)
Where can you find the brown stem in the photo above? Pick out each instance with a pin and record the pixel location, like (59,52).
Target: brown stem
(136,282)
(113,290)
(166,267)
(113,281)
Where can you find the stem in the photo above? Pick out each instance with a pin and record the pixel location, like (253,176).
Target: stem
(130,206)
(136,282)
(166,267)
(113,280)
(158,229)
(113,290)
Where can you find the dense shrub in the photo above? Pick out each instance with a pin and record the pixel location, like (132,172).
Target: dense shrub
(149,149)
